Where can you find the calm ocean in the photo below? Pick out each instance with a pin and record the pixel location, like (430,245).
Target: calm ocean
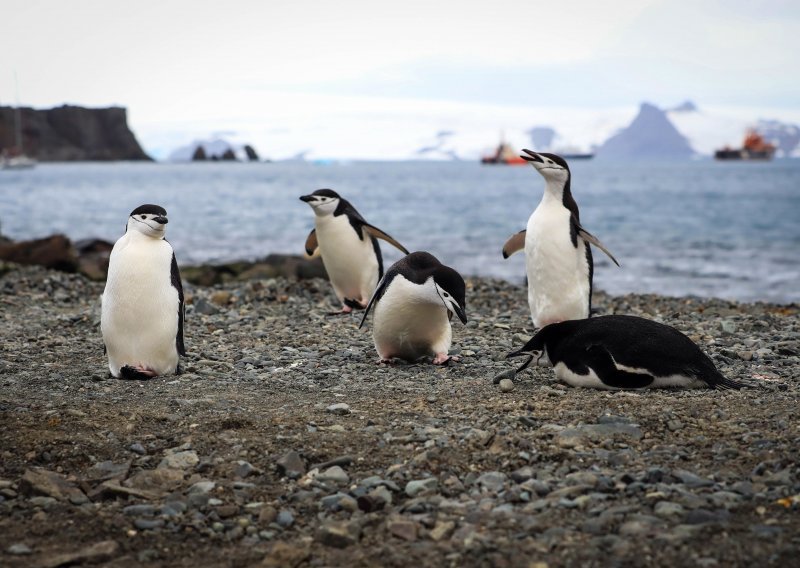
(730,230)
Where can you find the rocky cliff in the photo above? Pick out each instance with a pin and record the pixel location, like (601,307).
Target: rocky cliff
(71,133)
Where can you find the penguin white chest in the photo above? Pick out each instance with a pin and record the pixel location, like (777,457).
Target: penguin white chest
(140,306)
(408,326)
(558,272)
(350,262)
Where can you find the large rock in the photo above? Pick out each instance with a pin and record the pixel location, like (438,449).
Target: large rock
(93,255)
(38,481)
(251,153)
(72,133)
(52,252)
(273,266)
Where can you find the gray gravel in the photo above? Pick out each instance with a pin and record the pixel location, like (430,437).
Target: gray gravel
(285,444)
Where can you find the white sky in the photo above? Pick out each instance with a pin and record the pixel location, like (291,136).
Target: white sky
(326,75)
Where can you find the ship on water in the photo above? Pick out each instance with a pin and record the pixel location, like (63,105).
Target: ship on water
(754,147)
(506,155)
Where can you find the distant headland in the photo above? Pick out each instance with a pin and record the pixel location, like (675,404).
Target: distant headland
(71,133)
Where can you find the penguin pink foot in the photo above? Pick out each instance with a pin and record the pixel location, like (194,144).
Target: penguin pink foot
(349,306)
(344,311)
(137,373)
(444,359)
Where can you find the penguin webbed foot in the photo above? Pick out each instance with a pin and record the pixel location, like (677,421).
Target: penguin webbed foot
(137,373)
(348,307)
(444,359)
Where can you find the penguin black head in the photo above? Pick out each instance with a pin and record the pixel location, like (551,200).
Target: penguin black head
(546,339)
(148,219)
(442,284)
(323,201)
(551,167)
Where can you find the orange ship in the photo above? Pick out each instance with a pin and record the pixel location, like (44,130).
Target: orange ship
(754,147)
(504,154)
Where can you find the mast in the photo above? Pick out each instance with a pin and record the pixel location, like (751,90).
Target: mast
(17,118)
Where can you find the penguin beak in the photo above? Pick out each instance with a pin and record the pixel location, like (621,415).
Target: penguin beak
(531,156)
(460,313)
(308,198)
(161,220)
(527,363)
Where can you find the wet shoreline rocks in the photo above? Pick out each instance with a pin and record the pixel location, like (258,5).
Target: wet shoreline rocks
(89,257)
(284,443)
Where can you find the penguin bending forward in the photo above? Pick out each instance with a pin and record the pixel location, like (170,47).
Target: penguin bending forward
(558,258)
(622,352)
(142,304)
(413,306)
(348,246)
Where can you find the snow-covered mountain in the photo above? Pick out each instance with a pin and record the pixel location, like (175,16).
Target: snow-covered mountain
(401,129)
(651,136)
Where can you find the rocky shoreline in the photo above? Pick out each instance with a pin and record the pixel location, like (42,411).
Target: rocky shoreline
(285,444)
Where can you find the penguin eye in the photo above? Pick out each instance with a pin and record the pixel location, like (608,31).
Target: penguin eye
(446,295)
(144,216)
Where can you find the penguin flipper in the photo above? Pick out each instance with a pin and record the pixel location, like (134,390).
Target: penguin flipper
(378,234)
(602,363)
(514,244)
(312,246)
(175,277)
(379,290)
(590,238)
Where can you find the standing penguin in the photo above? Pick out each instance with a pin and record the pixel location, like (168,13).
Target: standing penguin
(348,246)
(143,311)
(558,257)
(622,352)
(413,306)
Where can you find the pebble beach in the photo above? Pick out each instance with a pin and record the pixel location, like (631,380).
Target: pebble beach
(284,443)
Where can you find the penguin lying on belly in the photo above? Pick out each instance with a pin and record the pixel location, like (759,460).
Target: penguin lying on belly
(622,352)
(413,306)
(142,305)
(348,246)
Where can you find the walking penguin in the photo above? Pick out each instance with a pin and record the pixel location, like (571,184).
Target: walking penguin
(348,246)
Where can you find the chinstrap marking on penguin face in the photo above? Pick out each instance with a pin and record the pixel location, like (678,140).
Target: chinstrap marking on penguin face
(429,275)
(323,201)
(150,224)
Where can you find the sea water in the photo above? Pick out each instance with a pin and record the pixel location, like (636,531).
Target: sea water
(702,228)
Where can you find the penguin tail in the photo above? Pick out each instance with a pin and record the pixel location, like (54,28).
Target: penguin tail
(725,383)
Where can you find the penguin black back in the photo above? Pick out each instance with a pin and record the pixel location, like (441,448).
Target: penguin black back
(624,350)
